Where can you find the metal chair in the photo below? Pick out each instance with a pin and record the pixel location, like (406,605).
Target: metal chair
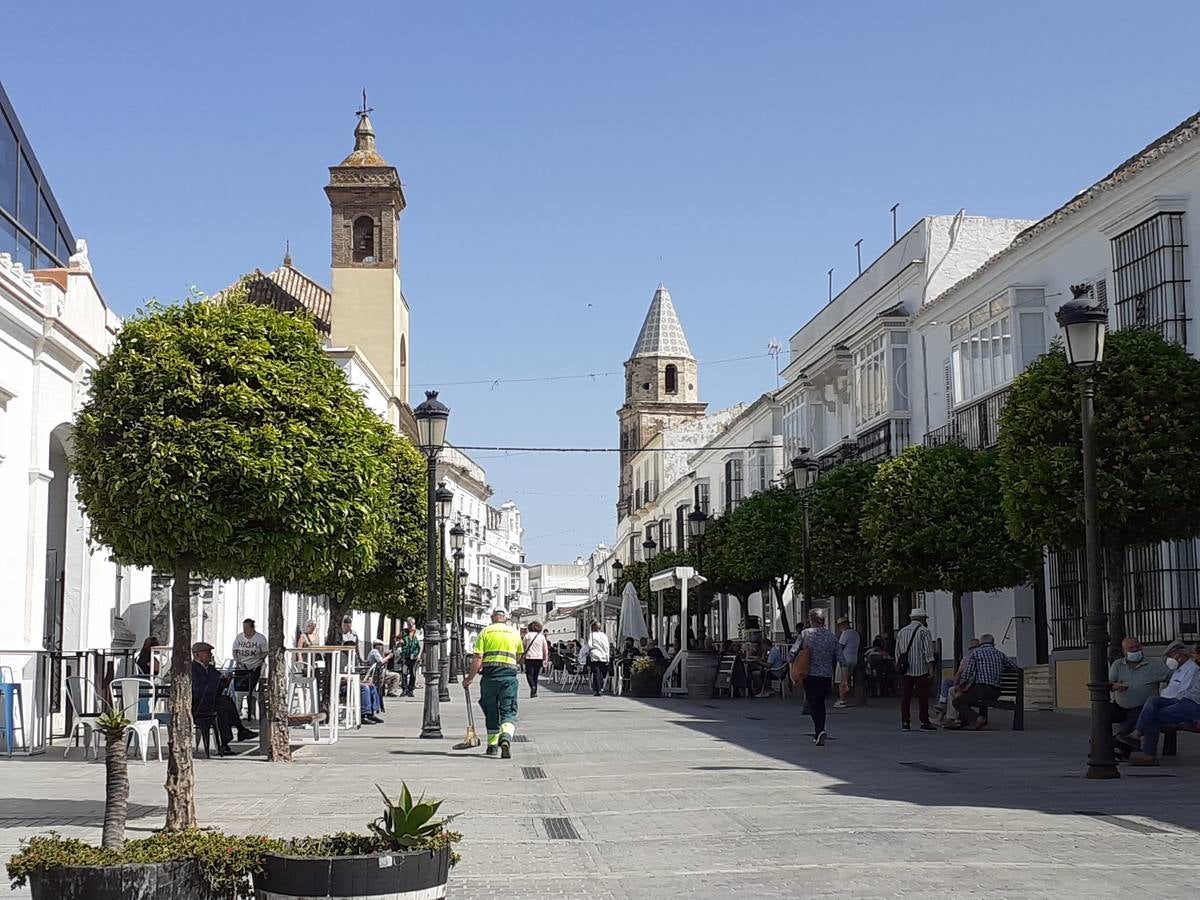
(10,692)
(79,687)
(127,696)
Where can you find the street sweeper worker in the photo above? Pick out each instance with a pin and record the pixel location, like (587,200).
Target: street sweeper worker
(497,650)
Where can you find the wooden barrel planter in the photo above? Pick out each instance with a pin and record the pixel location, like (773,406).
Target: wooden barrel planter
(415,875)
(701,674)
(174,880)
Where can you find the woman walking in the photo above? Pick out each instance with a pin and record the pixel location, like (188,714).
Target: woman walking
(822,648)
(537,654)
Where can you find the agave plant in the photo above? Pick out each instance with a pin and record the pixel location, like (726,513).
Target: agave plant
(407,823)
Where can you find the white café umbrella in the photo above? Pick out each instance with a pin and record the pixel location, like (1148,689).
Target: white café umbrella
(633,623)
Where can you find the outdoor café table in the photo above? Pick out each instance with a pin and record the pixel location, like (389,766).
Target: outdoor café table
(331,658)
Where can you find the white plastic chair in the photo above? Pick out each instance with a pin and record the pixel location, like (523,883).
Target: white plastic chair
(126,694)
(79,687)
(350,712)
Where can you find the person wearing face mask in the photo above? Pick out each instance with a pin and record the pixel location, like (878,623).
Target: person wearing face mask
(1133,680)
(1179,702)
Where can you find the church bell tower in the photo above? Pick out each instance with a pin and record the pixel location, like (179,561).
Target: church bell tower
(368,307)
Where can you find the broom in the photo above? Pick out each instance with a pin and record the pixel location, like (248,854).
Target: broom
(472,739)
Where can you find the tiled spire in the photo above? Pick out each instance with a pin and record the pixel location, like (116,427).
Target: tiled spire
(661,333)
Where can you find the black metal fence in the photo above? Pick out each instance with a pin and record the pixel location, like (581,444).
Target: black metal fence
(1162,594)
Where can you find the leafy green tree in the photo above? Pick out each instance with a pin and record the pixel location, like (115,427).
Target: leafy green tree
(638,573)
(842,562)
(1147,452)
(728,563)
(765,532)
(218,439)
(935,521)
(394,585)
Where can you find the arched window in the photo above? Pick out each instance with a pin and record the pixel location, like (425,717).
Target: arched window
(672,380)
(364,239)
(403,352)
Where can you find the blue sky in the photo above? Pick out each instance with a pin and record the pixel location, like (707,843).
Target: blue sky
(557,155)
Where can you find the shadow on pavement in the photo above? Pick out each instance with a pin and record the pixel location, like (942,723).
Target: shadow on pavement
(1040,769)
(40,813)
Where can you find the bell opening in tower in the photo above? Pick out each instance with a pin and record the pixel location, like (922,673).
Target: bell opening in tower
(672,380)
(364,239)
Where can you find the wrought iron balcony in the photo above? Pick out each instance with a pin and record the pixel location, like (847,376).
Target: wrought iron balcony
(976,427)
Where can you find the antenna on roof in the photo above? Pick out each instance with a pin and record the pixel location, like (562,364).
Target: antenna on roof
(858,250)
(830,273)
(774,348)
(894,208)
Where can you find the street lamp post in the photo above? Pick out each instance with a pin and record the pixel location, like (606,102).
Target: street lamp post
(697,525)
(600,582)
(1083,326)
(445,500)
(804,475)
(457,539)
(432,418)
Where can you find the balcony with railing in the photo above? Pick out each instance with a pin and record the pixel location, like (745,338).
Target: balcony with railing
(883,441)
(976,426)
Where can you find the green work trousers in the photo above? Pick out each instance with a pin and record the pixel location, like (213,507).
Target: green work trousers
(498,700)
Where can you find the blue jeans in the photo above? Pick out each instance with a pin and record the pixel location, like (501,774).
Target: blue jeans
(1159,711)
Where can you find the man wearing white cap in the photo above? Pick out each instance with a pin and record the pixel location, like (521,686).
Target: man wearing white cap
(915,665)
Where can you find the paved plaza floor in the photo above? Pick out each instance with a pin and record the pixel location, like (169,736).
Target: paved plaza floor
(616,797)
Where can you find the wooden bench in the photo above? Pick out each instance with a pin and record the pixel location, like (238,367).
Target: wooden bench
(1171,736)
(1012,697)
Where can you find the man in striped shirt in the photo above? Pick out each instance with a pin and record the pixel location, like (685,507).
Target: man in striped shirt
(914,643)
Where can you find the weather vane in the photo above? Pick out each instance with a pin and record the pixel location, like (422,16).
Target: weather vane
(365,109)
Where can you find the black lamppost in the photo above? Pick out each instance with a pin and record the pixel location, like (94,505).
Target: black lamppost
(649,551)
(457,539)
(445,500)
(432,418)
(600,582)
(1083,326)
(804,475)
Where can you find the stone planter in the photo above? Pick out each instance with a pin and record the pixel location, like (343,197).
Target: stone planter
(646,684)
(415,875)
(174,880)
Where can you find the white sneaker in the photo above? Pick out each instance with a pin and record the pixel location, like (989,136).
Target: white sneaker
(819,740)
(841,704)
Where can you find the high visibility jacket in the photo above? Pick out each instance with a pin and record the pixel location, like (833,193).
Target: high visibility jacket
(499,644)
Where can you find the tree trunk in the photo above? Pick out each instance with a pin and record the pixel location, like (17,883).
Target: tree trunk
(780,585)
(181,781)
(278,745)
(956,601)
(116,789)
(1114,587)
(339,605)
(744,605)
(887,618)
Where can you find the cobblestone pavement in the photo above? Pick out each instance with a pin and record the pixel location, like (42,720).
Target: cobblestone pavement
(726,798)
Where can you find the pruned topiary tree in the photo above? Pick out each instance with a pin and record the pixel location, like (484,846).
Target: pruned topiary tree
(842,562)
(1147,426)
(934,521)
(205,448)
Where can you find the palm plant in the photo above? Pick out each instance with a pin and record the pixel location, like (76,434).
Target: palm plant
(112,724)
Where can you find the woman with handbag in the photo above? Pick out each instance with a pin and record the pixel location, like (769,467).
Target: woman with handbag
(814,657)
(537,655)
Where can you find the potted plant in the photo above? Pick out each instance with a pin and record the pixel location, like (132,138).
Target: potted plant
(408,853)
(179,865)
(646,677)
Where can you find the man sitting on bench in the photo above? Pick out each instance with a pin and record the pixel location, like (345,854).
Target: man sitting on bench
(980,681)
(1178,704)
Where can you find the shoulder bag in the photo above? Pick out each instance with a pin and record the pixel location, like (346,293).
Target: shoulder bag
(902,659)
(798,669)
